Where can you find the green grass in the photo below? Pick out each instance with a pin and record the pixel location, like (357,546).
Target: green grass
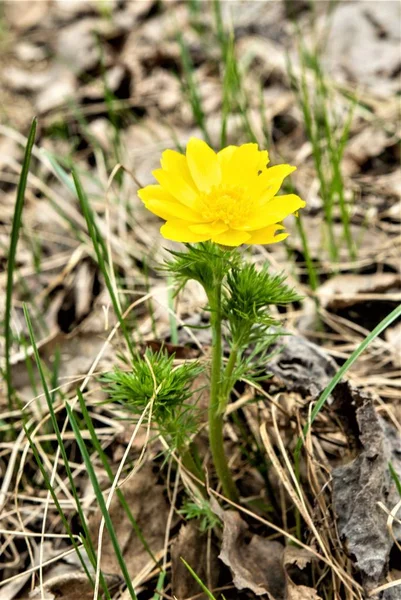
(16,225)
(328,137)
(86,538)
(191,89)
(198,580)
(382,326)
(100,500)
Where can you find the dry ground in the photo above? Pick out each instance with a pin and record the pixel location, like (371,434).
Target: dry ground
(113,83)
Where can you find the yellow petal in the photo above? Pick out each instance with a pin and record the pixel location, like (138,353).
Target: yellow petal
(224,156)
(209,228)
(244,164)
(273,211)
(177,230)
(176,163)
(270,181)
(176,186)
(172,210)
(203,165)
(155,192)
(231,237)
(267,235)
(164,205)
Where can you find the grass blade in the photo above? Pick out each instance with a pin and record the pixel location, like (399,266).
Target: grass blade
(106,465)
(101,501)
(386,322)
(198,580)
(53,418)
(57,504)
(101,254)
(19,205)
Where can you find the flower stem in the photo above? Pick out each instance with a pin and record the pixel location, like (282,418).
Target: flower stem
(217,400)
(232,361)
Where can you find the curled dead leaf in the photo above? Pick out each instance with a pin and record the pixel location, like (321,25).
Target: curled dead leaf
(364,482)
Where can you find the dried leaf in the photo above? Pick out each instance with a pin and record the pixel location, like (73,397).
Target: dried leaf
(262,565)
(192,546)
(302,365)
(363,44)
(393,336)
(362,483)
(256,565)
(33,13)
(343,291)
(148,506)
(302,592)
(69,586)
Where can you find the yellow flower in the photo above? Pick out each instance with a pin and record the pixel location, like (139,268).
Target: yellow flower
(228,197)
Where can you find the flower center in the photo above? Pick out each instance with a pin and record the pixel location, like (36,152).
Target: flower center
(227,203)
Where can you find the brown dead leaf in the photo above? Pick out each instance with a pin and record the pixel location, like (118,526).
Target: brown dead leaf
(362,483)
(256,565)
(301,365)
(60,88)
(298,557)
(262,565)
(69,586)
(363,45)
(149,508)
(191,545)
(302,592)
(343,291)
(77,44)
(368,143)
(32,14)
(393,336)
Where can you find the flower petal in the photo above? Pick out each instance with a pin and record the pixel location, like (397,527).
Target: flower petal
(267,235)
(244,164)
(164,205)
(155,192)
(272,212)
(212,229)
(175,162)
(224,156)
(203,165)
(177,230)
(231,237)
(270,181)
(176,186)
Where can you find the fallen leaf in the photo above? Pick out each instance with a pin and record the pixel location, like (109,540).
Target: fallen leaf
(261,565)
(191,545)
(301,365)
(368,143)
(255,565)
(69,586)
(342,291)
(363,45)
(77,44)
(33,13)
(149,508)
(295,556)
(393,336)
(61,87)
(362,483)
(302,592)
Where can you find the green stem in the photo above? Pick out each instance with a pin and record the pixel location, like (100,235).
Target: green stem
(190,465)
(217,399)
